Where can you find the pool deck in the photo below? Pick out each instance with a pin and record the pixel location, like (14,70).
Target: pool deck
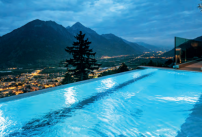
(193,67)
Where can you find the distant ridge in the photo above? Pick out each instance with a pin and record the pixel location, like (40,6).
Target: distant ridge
(148,46)
(137,47)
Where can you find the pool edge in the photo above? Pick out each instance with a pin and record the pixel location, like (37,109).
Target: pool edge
(163,68)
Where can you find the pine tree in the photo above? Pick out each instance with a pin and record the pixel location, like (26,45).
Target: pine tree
(83,61)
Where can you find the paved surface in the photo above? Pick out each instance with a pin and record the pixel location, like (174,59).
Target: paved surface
(193,67)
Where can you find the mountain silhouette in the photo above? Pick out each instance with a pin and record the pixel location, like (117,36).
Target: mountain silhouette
(37,42)
(43,42)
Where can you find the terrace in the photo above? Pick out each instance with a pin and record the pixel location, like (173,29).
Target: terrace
(197,66)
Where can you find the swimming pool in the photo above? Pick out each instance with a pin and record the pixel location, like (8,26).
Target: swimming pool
(142,103)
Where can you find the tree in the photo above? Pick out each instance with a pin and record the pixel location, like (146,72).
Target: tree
(109,72)
(123,68)
(68,79)
(83,61)
(151,63)
(168,62)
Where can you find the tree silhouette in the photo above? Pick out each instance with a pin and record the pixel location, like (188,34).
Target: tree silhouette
(151,63)
(67,79)
(123,68)
(83,61)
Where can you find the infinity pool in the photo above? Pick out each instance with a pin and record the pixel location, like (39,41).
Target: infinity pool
(140,103)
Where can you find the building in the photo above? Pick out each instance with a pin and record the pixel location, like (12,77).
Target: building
(187,50)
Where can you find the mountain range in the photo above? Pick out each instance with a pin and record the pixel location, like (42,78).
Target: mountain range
(43,42)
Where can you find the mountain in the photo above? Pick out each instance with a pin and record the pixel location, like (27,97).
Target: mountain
(101,44)
(122,43)
(170,53)
(148,46)
(136,46)
(43,43)
(79,27)
(198,38)
(35,42)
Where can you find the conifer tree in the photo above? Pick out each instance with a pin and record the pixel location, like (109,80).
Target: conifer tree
(83,58)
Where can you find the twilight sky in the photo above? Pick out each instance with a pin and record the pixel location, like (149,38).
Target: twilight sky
(152,21)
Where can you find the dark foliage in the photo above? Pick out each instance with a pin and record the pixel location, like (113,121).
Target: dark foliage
(109,72)
(83,61)
(67,79)
(168,62)
(152,63)
(123,68)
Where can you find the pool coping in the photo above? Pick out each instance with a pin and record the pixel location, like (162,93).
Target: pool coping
(164,68)
(34,93)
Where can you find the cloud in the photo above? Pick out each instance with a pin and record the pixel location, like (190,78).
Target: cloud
(145,19)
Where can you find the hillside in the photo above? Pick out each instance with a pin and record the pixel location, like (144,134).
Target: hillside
(148,46)
(36,42)
(136,46)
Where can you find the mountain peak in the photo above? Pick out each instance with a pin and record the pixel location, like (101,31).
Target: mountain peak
(36,20)
(79,27)
(78,24)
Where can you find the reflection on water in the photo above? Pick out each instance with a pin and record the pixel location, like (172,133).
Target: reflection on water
(136,75)
(106,84)
(177,73)
(193,124)
(2,123)
(187,99)
(5,123)
(70,96)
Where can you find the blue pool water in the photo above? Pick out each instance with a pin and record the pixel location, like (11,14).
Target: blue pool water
(140,103)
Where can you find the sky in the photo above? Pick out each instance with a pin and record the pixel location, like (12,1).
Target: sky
(155,22)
